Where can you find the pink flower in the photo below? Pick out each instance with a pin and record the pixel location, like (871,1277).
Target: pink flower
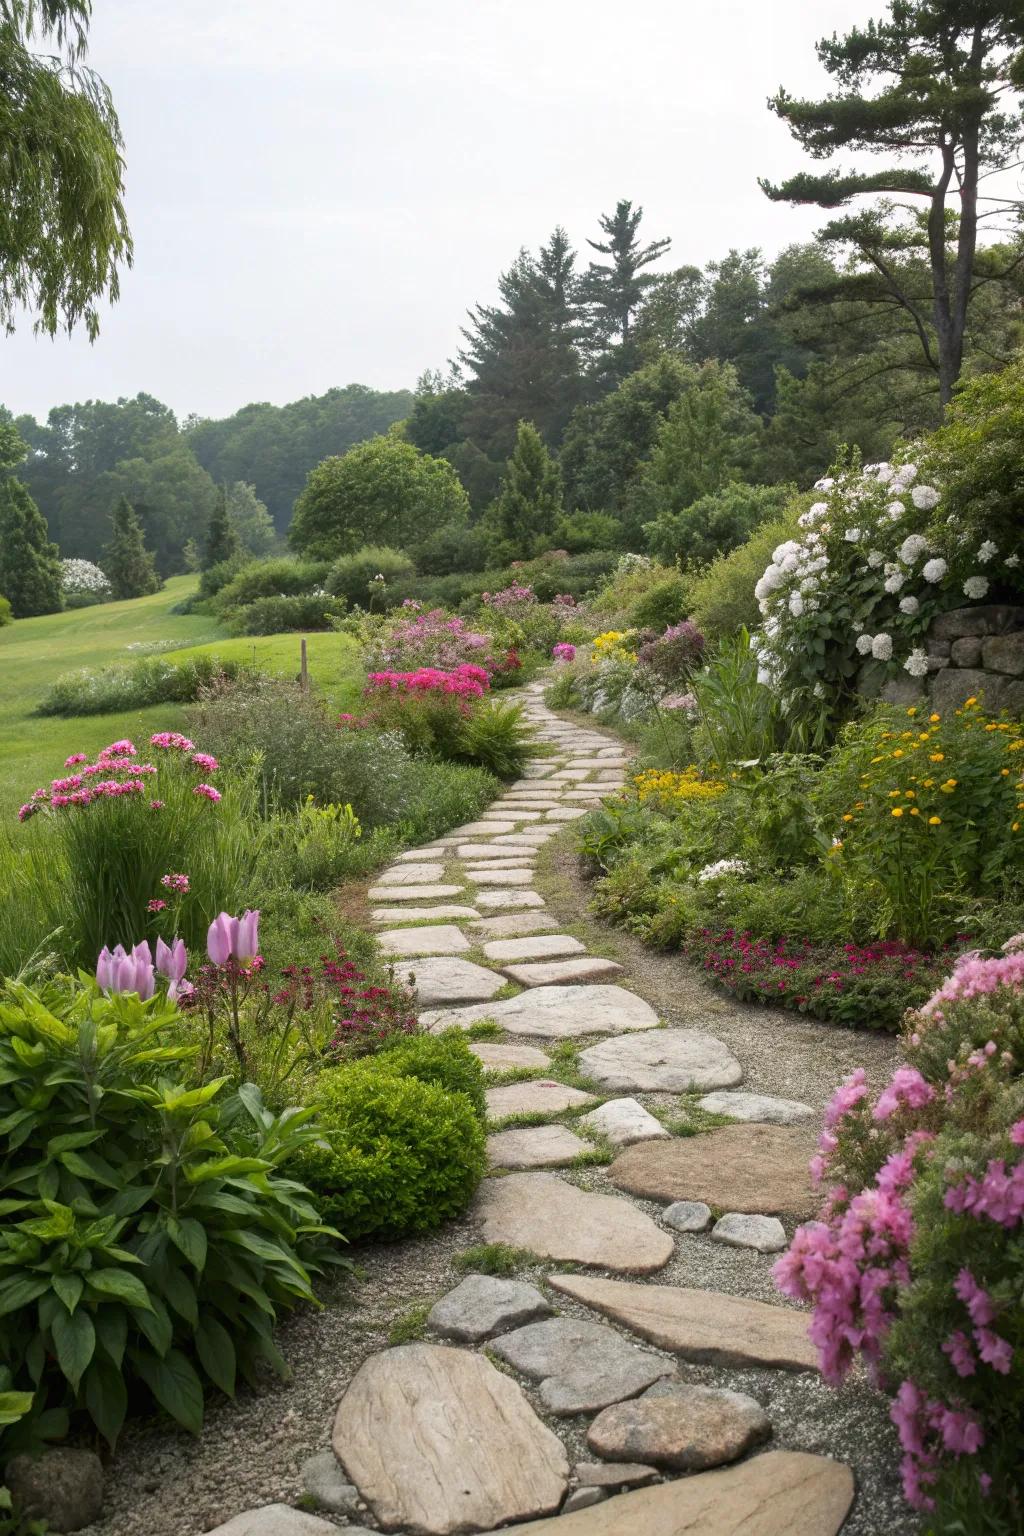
(1017,1133)
(172,741)
(205,761)
(975,1298)
(156,905)
(74,759)
(961,1355)
(208,792)
(177,883)
(994,1350)
(121,972)
(907,1089)
(29,809)
(234,938)
(156,805)
(172,962)
(564,651)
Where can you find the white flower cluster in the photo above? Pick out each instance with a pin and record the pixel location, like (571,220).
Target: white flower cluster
(83,576)
(721,869)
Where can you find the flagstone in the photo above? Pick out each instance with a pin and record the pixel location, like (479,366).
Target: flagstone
(413,892)
(484,828)
(672,1061)
(495,1056)
(538,948)
(411,874)
(280,1520)
(434,939)
(488,851)
(751,1169)
(505,898)
(757,1106)
(557,1012)
(504,877)
(535,1146)
(484,1305)
(513,925)
(581,1366)
(544,973)
(421,914)
(567,813)
(539,1096)
(622,1122)
(443,980)
(679,1425)
(555,1220)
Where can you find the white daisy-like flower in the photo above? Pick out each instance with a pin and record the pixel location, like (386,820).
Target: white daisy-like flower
(864,645)
(912,548)
(796,604)
(881,647)
(875,559)
(852,535)
(934,570)
(857,626)
(924,497)
(987,551)
(895,581)
(909,606)
(917,662)
(976,586)
(1012,561)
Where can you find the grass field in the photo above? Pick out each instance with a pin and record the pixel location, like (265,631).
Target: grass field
(33,652)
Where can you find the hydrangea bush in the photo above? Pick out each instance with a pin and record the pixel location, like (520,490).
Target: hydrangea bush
(80,578)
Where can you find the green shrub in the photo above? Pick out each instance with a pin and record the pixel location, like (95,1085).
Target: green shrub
(136,684)
(397,1156)
(313,847)
(715,524)
(149,1240)
(438,724)
(451,549)
(439,796)
(7,617)
(583,532)
(444,1059)
(354,577)
(215,577)
(273,615)
(664,603)
(279,577)
(579,575)
(722,597)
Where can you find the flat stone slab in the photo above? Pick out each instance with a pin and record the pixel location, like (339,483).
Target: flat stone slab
(757,1106)
(471,852)
(766,1234)
(507,878)
(677,1425)
(529,840)
(687,1216)
(753,1169)
(623,1474)
(495,900)
(567,813)
(581,1366)
(539,948)
(534,1146)
(780,1493)
(421,914)
(412,874)
(541,1212)
(438,1441)
(484,1305)
(413,892)
(496,1057)
(482,828)
(671,1060)
(279,1520)
(517,815)
(514,925)
(558,1012)
(704,1326)
(540,1096)
(556,973)
(324,1481)
(442,980)
(437,939)
(624,1121)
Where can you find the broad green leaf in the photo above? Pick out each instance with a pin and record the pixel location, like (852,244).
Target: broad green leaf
(225,1167)
(20,1290)
(175,1385)
(180,1294)
(69,1288)
(106,1398)
(74,1339)
(112,1331)
(189,1237)
(15,1405)
(89,1165)
(156,1325)
(216,1353)
(120,1284)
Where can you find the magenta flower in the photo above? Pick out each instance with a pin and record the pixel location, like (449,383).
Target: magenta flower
(563,651)
(208,792)
(906,1089)
(205,761)
(172,962)
(118,971)
(76,757)
(234,938)
(177,883)
(156,905)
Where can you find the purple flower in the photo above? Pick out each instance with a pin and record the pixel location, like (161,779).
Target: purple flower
(234,938)
(118,971)
(172,962)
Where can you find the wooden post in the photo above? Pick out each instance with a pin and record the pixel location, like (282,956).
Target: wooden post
(303,667)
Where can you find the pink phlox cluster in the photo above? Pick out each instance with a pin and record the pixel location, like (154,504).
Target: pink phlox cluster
(75,759)
(465,681)
(514,596)
(206,761)
(173,882)
(997,1196)
(926,1429)
(906,1090)
(171,741)
(976,977)
(208,792)
(432,638)
(563,651)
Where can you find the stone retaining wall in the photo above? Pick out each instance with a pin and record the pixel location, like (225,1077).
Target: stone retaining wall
(975,652)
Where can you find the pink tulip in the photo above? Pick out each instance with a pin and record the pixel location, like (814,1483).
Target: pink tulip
(234,938)
(172,962)
(220,938)
(121,972)
(247,945)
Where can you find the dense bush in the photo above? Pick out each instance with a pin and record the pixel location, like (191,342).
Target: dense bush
(6,616)
(715,524)
(280,577)
(216,577)
(444,1059)
(136,684)
(664,603)
(448,550)
(272,615)
(397,1156)
(578,575)
(356,577)
(149,1239)
(445,715)
(83,583)
(722,599)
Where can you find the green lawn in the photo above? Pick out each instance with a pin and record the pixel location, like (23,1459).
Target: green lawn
(33,652)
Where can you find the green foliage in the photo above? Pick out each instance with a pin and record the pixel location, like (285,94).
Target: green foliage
(664,603)
(136,684)
(714,524)
(439,796)
(444,1059)
(615,289)
(383,490)
(127,564)
(30,576)
(396,1157)
(236,585)
(273,615)
(174,495)
(250,520)
(223,544)
(722,597)
(485,732)
(550,575)
(738,720)
(150,1240)
(494,1259)
(582,532)
(355,577)
(452,548)
(529,503)
(6,613)
(315,847)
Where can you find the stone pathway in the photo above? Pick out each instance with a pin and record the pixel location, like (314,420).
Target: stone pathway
(439,1438)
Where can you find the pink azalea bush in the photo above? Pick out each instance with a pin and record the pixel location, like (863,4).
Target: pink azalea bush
(414,638)
(916,1265)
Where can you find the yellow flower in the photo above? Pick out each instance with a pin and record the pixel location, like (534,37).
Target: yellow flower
(914,811)
(898,752)
(912,711)
(935,821)
(897,811)
(1004,773)
(934,719)
(847,817)
(970,703)
(910,794)
(893,794)
(936,757)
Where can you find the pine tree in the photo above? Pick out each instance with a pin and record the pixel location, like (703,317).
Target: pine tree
(29,563)
(127,563)
(222,541)
(615,290)
(530,500)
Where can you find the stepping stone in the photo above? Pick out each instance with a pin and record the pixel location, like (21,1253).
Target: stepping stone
(569,775)
(583,1498)
(558,1012)
(758,1169)
(546,973)
(504,877)
(537,948)
(507,898)
(420,914)
(439,1441)
(413,892)
(707,1327)
(765,1233)
(687,1216)
(540,1096)
(581,1366)
(687,1428)
(471,871)
(324,1482)
(473,853)
(282,1520)
(528,841)
(555,1220)
(535,1146)
(624,1474)
(611,761)
(514,815)
(623,1121)
(412,874)
(780,1493)
(452,981)
(567,813)
(497,1057)
(515,925)
(538,803)
(482,829)
(757,1106)
(484,1305)
(672,1060)
(437,939)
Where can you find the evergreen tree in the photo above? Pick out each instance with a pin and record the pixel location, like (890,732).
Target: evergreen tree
(29,563)
(614,290)
(529,503)
(222,541)
(127,563)
(935,80)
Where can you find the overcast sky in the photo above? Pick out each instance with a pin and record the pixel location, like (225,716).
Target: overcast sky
(319,190)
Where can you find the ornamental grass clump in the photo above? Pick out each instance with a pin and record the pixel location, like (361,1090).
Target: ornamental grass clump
(916,1265)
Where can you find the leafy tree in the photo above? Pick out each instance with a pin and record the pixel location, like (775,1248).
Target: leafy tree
(380,492)
(530,500)
(938,80)
(29,563)
(665,323)
(63,230)
(222,541)
(127,564)
(614,290)
(173,496)
(714,524)
(250,519)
